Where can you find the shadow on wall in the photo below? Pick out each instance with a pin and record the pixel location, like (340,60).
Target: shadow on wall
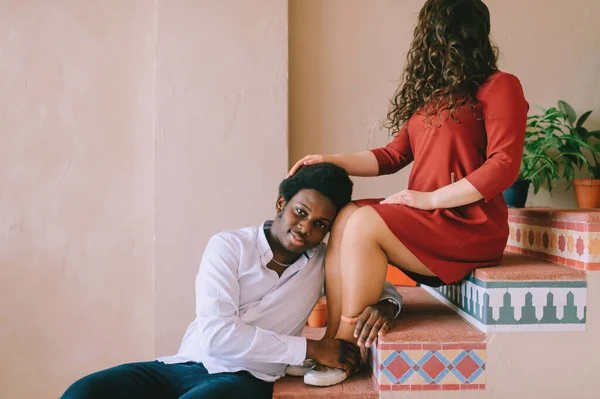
(558,199)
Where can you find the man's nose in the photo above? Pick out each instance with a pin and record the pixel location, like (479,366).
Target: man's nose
(305,227)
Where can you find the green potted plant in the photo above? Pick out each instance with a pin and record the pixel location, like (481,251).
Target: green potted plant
(538,167)
(587,191)
(554,144)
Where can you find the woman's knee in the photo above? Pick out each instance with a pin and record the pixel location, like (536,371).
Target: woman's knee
(345,214)
(342,218)
(362,224)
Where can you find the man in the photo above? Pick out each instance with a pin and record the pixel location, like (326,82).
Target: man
(254,292)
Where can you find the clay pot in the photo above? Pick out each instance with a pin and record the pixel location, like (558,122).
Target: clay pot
(587,193)
(397,277)
(318,317)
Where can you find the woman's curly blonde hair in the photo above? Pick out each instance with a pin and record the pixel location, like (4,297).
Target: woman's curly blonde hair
(451,55)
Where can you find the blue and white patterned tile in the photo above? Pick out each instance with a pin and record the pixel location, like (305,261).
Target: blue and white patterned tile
(433,367)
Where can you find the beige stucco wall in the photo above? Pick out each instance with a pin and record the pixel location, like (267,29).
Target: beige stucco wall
(347,56)
(130,131)
(76,191)
(221,137)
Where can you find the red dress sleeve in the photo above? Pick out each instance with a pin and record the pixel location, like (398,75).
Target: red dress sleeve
(396,155)
(505,117)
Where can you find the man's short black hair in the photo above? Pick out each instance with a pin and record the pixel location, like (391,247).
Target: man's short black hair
(326,178)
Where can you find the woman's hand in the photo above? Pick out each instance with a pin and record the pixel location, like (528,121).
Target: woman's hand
(334,353)
(414,199)
(374,321)
(307,160)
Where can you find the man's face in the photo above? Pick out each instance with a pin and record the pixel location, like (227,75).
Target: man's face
(303,222)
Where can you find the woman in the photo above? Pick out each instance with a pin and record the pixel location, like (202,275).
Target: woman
(462,122)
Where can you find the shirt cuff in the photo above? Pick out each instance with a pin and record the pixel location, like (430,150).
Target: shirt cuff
(398,304)
(296,350)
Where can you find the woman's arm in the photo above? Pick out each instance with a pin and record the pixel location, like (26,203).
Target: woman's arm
(456,194)
(505,117)
(356,164)
(381,161)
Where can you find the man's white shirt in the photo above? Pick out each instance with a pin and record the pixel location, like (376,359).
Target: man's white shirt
(247,317)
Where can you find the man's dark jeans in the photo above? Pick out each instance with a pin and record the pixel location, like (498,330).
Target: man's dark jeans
(156,380)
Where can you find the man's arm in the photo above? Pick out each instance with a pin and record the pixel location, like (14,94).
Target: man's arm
(378,319)
(223,334)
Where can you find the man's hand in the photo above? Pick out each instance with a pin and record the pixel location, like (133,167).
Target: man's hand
(374,321)
(334,353)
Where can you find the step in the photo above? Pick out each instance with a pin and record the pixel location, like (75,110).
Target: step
(431,348)
(568,237)
(522,294)
(359,386)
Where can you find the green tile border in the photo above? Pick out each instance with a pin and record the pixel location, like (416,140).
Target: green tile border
(478,306)
(528,284)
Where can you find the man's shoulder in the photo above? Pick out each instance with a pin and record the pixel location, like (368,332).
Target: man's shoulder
(317,253)
(320,247)
(238,237)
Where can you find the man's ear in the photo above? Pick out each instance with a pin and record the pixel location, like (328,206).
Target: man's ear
(280,204)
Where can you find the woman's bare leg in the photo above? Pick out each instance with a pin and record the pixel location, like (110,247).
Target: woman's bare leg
(367,247)
(333,282)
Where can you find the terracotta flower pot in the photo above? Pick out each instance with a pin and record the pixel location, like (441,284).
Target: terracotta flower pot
(396,277)
(587,193)
(318,317)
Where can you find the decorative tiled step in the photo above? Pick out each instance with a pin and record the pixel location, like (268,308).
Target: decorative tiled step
(522,294)
(431,348)
(568,237)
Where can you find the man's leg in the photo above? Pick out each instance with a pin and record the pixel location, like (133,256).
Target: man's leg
(201,385)
(146,380)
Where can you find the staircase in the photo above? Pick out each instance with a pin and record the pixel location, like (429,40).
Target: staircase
(517,330)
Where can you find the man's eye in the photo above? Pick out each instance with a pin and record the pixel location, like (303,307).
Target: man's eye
(300,212)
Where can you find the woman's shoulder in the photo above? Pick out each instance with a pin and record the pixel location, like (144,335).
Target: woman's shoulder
(499,81)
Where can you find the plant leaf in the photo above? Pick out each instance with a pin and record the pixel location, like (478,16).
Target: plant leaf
(569,174)
(583,118)
(595,134)
(582,132)
(567,110)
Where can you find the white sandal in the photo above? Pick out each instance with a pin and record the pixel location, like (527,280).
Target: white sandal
(324,376)
(300,371)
